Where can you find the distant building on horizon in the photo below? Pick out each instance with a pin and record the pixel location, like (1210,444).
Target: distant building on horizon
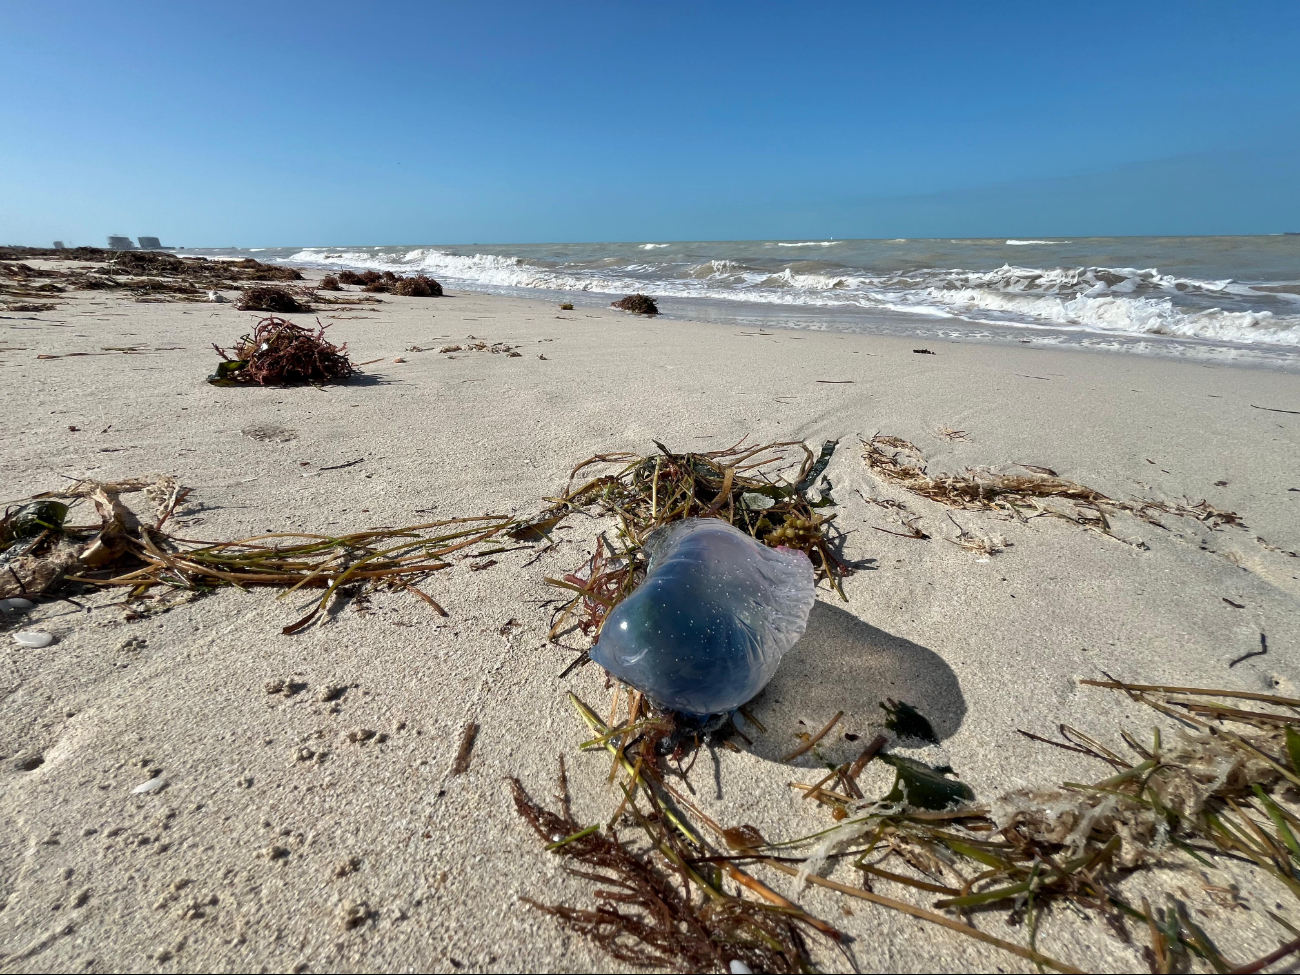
(116,243)
(58,245)
(150,244)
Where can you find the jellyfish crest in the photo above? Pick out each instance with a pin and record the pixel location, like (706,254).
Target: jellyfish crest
(707,628)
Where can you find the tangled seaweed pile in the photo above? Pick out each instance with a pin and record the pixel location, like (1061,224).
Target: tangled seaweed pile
(419,286)
(740,485)
(669,916)
(280,353)
(386,282)
(1223,790)
(267,298)
(637,304)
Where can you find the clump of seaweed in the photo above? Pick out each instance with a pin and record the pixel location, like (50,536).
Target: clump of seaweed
(637,304)
(329,283)
(416,286)
(379,281)
(566,306)
(740,485)
(419,286)
(277,353)
(267,298)
(1218,791)
(665,905)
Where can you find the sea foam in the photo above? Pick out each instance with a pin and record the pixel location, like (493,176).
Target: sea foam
(1108,300)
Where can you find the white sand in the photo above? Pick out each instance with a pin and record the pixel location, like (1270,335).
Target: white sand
(95,877)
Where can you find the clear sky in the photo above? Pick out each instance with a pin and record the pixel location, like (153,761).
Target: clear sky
(283,123)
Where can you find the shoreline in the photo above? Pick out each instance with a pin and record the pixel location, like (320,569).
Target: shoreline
(984,645)
(1220,298)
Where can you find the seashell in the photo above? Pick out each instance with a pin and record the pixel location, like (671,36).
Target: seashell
(155,784)
(16,604)
(707,628)
(35,639)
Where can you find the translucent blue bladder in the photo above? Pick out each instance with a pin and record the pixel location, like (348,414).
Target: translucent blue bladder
(707,628)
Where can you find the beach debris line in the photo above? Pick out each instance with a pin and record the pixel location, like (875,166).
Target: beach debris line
(196,268)
(150,276)
(1216,793)
(41,554)
(638,304)
(1039,492)
(279,353)
(716,596)
(496,348)
(267,298)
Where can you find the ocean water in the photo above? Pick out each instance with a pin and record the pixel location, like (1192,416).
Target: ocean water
(1217,297)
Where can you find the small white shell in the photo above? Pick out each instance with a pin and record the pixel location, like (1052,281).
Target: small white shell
(33,638)
(153,785)
(16,605)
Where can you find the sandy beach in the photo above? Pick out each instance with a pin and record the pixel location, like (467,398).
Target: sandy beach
(370,854)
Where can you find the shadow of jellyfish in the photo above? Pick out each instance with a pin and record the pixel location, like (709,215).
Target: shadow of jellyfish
(844,664)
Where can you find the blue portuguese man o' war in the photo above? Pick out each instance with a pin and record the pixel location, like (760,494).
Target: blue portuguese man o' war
(707,628)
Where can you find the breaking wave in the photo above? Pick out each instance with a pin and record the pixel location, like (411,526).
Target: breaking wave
(1110,300)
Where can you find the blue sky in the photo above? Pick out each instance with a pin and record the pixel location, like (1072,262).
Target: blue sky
(281,123)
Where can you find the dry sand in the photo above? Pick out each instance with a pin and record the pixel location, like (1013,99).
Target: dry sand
(370,855)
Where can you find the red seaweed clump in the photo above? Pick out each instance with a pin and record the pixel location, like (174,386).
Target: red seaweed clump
(420,286)
(279,353)
(637,304)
